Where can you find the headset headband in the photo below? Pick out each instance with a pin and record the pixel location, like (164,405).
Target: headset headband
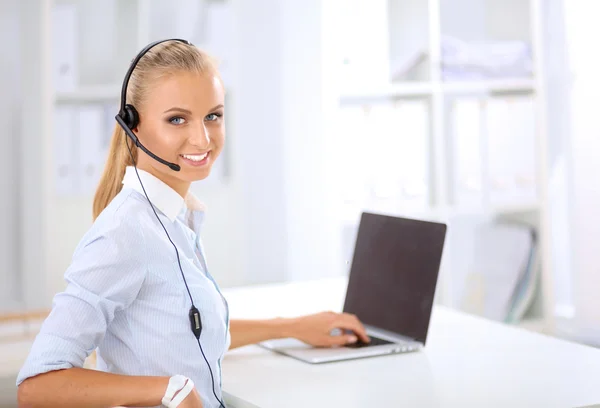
(135,62)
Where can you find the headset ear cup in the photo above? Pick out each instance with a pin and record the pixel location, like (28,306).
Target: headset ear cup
(131,117)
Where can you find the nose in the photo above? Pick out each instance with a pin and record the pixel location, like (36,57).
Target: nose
(200,137)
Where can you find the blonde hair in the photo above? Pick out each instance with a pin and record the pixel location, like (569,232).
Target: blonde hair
(163,59)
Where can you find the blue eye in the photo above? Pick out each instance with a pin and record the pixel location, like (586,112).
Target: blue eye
(177,120)
(213,116)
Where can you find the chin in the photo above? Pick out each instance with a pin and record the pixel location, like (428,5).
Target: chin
(197,175)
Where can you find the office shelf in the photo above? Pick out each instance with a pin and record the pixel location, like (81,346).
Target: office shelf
(503,86)
(523,207)
(91,93)
(406,89)
(443,213)
(423,89)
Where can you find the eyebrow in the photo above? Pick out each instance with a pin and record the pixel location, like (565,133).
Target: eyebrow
(177,109)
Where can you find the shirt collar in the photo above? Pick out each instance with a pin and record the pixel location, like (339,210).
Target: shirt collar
(164,198)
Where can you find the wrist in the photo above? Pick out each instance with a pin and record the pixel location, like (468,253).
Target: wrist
(286,327)
(157,388)
(147,390)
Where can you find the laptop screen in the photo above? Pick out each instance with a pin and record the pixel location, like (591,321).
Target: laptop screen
(394,273)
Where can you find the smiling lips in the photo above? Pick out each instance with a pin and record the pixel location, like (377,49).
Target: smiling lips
(196,159)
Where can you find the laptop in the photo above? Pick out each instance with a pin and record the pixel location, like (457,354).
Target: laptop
(391,288)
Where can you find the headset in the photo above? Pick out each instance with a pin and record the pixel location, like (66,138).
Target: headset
(128,118)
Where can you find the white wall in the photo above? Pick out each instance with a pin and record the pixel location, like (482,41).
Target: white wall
(258,138)
(582,31)
(33,154)
(313,237)
(557,86)
(273,224)
(10,292)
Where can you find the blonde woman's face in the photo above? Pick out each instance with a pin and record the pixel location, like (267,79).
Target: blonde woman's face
(181,121)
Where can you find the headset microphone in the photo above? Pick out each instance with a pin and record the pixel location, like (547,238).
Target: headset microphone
(136,141)
(128,117)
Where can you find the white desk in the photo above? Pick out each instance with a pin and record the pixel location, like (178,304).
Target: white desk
(467,362)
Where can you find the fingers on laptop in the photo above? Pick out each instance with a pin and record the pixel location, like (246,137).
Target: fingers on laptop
(348,321)
(360,329)
(340,340)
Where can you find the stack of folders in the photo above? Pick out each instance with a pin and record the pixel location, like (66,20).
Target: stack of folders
(81,140)
(462,60)
(493,151)
(468,61)
(525,291)
(505,267)
(381,156)
(65,70)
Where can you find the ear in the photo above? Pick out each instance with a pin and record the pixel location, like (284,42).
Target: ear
(136,129)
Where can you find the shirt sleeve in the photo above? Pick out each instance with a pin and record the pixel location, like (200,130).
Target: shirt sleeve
(105,277)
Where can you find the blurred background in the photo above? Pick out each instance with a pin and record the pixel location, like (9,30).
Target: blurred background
(478,113)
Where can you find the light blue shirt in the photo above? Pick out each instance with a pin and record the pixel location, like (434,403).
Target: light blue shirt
(125,295)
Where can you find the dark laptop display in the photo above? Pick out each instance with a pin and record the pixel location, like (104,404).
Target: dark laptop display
(394,273)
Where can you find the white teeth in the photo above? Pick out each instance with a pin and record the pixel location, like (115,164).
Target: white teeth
(196,158)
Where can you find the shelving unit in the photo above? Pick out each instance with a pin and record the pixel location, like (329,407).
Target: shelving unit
(414,35)
(91,44)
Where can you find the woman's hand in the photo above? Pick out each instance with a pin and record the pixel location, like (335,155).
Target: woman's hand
(327,329)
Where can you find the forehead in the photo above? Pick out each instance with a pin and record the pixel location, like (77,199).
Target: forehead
(192,91)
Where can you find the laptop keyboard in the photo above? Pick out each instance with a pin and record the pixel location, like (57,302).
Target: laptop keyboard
(375,341)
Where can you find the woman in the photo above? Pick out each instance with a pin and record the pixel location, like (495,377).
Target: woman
(140,269)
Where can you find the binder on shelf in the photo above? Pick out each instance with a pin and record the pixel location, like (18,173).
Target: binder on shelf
(109,111)
(466,158)
(502,255)
(378,152)
(525,291)
(384,163)
(381,156)
(413,144)
(65,155)
(64,47)
(351,161)
(523,114)
(91,146)
(398,166)
(511,157)
(101,40)
(500,148)
(364,43)
(500,270)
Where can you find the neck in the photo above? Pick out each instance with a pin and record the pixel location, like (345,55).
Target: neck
(180,186)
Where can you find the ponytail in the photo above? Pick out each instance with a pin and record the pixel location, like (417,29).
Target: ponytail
(111,181)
